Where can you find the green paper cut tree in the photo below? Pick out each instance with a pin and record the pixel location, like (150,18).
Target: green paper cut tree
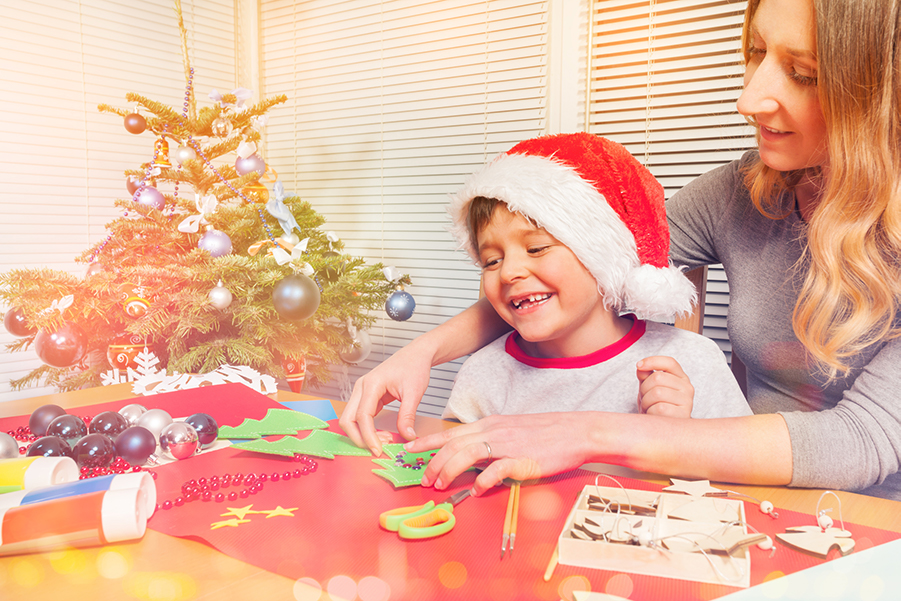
(320,443)
(276,421)
(191,267)
(397,473)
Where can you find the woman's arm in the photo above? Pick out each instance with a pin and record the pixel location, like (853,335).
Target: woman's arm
(753,450)
(405,375)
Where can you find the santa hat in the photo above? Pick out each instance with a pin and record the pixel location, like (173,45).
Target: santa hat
(594,197)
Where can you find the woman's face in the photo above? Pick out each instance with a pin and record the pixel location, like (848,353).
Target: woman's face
(781,85)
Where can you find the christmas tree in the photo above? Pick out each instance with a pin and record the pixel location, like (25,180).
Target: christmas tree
(205,266)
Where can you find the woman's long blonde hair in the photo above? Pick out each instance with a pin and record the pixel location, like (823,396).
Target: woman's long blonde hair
(850,296)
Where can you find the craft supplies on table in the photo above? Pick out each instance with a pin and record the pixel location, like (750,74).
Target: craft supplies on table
(25,473)
(141,480)
(86,520)
(423,521)
(701,539)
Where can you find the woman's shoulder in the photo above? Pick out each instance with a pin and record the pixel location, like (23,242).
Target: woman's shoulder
(725,181)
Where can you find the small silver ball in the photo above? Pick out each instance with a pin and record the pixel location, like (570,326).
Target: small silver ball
(9,448)
(220,297)
(155,420)
(180,440)
(184,154)
(132,413)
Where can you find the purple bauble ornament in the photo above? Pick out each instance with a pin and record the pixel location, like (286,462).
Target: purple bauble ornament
(206,427)
(109,423)
(70,428)
(135,444)
(180,440)
(135,123)
(49,446)
(42,416)
(400,305)
(15,324)
(94,450)
(250,164)
(93,269)
(296,297)
(62,347)
(216,243)
(150,197)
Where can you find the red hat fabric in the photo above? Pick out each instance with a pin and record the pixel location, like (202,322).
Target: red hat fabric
(592,195)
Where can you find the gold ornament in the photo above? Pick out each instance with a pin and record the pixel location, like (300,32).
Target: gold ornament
(161,150)
(256,192)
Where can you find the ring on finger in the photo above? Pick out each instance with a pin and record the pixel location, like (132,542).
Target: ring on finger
(488,446)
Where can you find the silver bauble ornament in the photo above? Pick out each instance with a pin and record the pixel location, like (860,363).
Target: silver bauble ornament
(216,243)
(179,440)
(362,346)
(154,420)
(296,297)
(250,164)
(9,448)
(290,238)
(183,154)
(220,297)
(132,413)
(400,305)
(221,127)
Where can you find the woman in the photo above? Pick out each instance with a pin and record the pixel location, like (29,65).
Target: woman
(809,232)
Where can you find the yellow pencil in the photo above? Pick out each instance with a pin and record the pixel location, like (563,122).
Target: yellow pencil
(552,564)
(515,515)
(507,519)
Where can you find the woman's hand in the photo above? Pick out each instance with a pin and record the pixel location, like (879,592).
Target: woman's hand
(664,388)
(523,447)
(403,376)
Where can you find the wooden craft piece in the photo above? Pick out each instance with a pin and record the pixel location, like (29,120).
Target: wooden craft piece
(706,510)
(695,488)
(816,541)
(725,543)
(620,503)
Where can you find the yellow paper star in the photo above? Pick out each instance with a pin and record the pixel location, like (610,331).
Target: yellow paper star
(232,523)
(240,512)
(279,511)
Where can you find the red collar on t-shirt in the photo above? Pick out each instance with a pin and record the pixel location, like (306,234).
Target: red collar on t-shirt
(599,356)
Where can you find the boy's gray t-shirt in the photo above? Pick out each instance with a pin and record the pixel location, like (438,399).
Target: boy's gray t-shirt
(845,434)
(501,379)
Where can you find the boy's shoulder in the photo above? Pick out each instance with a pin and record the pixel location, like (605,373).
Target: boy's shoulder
(661,336)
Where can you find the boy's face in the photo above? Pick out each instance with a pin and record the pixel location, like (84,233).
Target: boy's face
(538,286)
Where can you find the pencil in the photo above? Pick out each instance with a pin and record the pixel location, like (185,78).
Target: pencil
(507,519)
(515,515)
(551,565)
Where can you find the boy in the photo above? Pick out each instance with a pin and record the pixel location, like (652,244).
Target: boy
(570,231)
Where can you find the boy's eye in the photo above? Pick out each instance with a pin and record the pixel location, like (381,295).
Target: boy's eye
(538,249)
(489,263)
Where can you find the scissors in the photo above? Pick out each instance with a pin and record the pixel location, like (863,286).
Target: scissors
(423,521)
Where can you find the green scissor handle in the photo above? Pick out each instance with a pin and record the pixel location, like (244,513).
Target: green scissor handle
(436,522)
(391,519)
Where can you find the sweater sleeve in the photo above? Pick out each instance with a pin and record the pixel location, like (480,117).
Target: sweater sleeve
(857,443)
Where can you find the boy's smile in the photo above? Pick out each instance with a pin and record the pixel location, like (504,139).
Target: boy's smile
(539,286)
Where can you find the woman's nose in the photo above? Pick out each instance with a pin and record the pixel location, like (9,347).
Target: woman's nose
(761,90)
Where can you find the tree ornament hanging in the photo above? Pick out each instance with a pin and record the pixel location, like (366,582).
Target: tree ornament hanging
(15,324)
(250,164)
(135,123)
(215,242)
(221,127)
(256,192)
(184,153)
(161,152)
(132,184)
(93,269)
(136,307)
(61,347)
(220,296)
(123,351)
(296,297)
(400,304)
(150,197)
(360,347)
(295,372)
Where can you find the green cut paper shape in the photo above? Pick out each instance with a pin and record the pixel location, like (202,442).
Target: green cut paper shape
(398,475)
(320,443)
(276,421)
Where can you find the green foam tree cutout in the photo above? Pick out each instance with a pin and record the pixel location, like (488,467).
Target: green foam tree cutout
(276,421)
(396,473)
(320,443)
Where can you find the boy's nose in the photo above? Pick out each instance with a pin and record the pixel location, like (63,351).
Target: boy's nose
(512,269)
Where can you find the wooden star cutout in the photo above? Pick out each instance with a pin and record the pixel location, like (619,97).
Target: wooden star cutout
(279,511)
(695,488)
(233,523)
(240,512)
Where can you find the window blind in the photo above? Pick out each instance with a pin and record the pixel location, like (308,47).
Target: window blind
(61,161)
(391,106)
(664,79)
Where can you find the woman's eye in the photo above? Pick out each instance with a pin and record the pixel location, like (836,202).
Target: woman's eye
(804,80)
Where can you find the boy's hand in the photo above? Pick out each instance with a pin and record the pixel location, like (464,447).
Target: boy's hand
(664,388)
